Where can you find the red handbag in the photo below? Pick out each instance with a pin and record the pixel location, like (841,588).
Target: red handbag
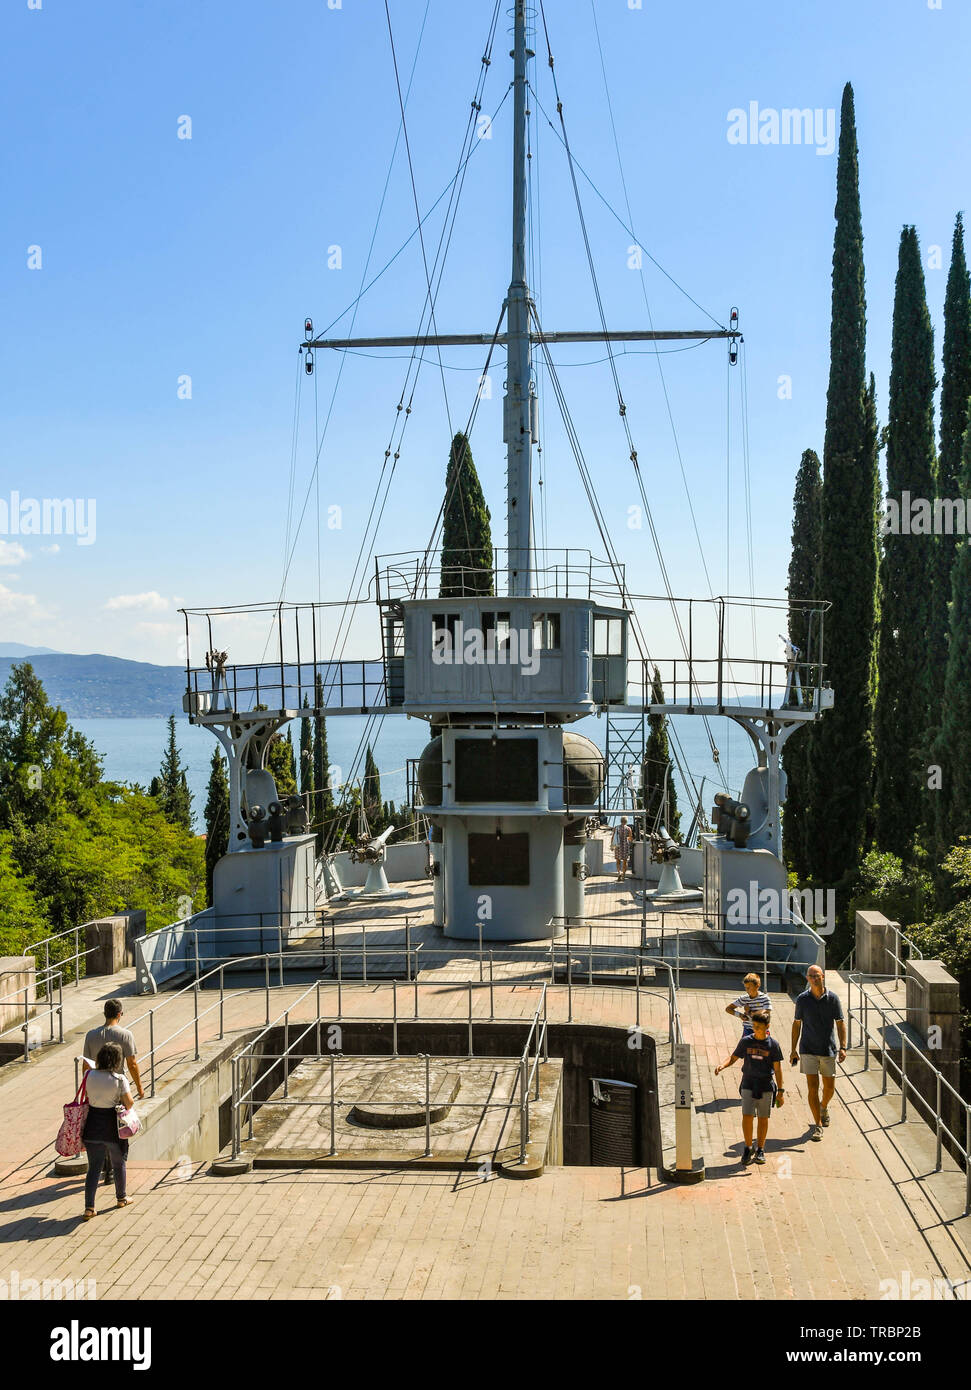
(69,1143)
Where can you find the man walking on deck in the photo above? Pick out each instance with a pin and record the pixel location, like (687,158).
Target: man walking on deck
(818,1017)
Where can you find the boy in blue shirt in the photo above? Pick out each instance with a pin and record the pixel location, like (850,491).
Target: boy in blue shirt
(761,1058)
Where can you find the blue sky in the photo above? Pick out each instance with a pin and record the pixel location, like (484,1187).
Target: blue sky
(164,257)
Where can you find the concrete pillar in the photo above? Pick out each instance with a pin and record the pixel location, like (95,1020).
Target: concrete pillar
(874,941)
(934,1012)
(109,936)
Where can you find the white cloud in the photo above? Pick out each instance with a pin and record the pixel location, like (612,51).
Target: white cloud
(17,605)
(11,553)
(153,602)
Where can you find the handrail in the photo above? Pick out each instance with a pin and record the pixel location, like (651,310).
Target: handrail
(51,1010)
(933,1112)
(527,1074)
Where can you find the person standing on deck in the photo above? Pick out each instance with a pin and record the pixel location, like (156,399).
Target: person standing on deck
(761,1087)
(112,1032)
(754,998)
(620,842)
(818,1017)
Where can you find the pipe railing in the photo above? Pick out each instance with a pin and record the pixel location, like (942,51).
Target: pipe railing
(33,1013)
(527,1070)
(933,1113)
(77,956)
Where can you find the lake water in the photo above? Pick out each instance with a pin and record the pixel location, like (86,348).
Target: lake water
(132,751)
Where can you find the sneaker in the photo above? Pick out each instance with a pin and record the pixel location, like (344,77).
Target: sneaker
(759,1156)
(824,1117)
(817,1132)
(747,1155)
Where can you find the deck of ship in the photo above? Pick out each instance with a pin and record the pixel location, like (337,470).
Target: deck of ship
(854,1217)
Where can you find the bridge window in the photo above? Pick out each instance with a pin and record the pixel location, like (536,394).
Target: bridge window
(608,636)
(546,632)
(502,862)
(444,630)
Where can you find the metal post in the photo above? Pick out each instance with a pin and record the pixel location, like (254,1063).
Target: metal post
(364,948)
(249,1077)
(26,1018)
(340,981)
(480,950)
(866,1034)
(151,1045)
(470,1018)
(492,1000)
(408,947)
(394,1018)
(222,982)
(195,1004)
(236,1138)
(77,957)
(286,1053)
(546,1020)
(279,946)
(765,957)
(333,1143)
(637,994)
(677,958)
(77,1075)
(967,1160)
(428,1107)
(903,1077)
(60,1009)
(883,1050)
(318,1020)
(266,964)
(569,979)
(938,1121)
(523,1111)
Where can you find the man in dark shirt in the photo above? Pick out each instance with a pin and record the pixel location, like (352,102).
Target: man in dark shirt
(818,1012)
(761,1058)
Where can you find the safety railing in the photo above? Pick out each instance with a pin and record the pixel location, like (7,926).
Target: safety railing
(33,1011)
(933,1113)
(63,962)
(534,1052)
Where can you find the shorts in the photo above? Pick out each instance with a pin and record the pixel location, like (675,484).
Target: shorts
(812,1065)
(761,1107)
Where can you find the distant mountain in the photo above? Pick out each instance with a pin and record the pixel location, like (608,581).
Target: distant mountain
(18,649)
(103,687)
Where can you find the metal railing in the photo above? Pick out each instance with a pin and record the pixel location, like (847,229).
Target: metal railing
(932,1113)
(76,958)
(32,1012)
(527,1069)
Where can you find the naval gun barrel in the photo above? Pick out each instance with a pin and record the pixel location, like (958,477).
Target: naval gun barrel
(370,848)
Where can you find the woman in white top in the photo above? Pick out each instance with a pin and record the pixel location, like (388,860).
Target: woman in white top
(106,1088)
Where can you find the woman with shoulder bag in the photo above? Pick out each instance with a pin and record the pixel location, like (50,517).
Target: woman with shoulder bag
(106,1089)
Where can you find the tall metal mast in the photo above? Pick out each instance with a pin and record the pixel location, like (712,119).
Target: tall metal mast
(517,431)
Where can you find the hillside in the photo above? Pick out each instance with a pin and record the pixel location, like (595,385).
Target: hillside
(105,687)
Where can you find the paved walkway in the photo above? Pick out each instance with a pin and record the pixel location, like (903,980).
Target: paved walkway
(837,1219)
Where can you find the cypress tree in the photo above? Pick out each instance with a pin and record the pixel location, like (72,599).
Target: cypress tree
(371,794)
(908,564)
(660,796)
(306,753)
(807,532)
(952,751)
(173,794)
(217,818)
(842,748)
(279,761)
(324,800)
(955,391)
(466,566)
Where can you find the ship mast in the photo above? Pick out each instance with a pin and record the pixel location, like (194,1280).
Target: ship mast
(517,408)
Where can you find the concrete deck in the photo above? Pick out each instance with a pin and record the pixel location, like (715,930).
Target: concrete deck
(838,1219)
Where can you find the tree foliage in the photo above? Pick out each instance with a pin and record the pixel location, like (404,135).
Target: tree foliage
(467,555)
(217,818)
(807,535)
(170,788)
(660,795)
(842,754)
(907,571)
